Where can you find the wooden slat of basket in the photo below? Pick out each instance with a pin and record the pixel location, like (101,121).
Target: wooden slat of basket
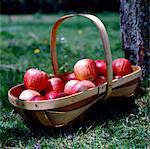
(21,112)
(128,83)
(128,78)
(53,104)
(63,118)
(28,115)
(124,91)
(79,104)
(42,117)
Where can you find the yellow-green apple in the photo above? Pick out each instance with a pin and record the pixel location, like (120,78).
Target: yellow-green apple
(85,69)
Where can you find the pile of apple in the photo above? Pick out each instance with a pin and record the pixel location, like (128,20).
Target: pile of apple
(88,73)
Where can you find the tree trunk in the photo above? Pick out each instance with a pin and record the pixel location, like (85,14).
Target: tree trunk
(135,31)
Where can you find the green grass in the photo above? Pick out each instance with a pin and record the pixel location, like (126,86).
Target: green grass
(112,124)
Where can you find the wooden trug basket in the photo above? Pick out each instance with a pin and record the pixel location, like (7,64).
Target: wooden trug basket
(62,111)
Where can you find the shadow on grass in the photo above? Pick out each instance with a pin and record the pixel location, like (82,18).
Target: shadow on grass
(98,115)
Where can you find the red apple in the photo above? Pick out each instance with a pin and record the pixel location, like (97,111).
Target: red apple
(48,87)
(69,85)
(82,86)
(101,65)
(54,94)
(57,84)
(28,94)
(37,98)
(99,80)
(70,76)
(62,94)
(51,95)
(122,66)
(85,69)
(35,79)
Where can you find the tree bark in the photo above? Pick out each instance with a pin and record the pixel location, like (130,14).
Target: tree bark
(135,29)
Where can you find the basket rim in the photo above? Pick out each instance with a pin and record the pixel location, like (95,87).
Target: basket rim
(56,103)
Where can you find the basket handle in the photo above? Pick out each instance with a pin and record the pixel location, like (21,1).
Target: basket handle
(105,42)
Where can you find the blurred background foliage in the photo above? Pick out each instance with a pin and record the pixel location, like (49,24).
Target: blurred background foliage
(51,6)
